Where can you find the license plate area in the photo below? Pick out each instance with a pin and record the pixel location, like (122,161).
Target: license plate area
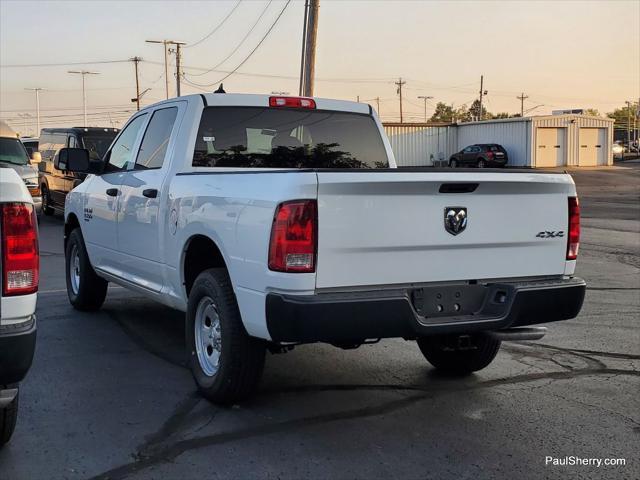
(458,303)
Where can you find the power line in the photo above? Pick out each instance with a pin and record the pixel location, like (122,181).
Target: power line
(24,65)
(217,27)
(275,22)
(239,44)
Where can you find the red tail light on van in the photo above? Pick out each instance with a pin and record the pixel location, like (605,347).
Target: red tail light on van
(573,240)
(294,236)
(20,256)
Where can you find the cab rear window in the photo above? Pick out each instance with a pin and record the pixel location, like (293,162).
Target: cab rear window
(257,137)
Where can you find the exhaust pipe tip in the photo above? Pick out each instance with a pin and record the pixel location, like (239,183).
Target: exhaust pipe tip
(519,334)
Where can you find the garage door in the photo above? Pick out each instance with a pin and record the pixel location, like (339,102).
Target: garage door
(591,151)
(550,147)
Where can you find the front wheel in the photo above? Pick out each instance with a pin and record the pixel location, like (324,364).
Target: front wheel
(225,361)
(482,163)
(453,163)
(459,354)
(86,290)
(8,417)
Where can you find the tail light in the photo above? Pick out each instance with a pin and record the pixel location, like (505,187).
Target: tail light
(294,236)
(20,257)
(34,190)
(292,102)
(490,154)
(573,240)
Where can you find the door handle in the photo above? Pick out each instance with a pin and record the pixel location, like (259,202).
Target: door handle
(150,193)
(112,192)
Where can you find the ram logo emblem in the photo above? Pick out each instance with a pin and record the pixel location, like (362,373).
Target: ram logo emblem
(455,219)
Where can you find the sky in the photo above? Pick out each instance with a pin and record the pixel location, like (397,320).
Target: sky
(561,54)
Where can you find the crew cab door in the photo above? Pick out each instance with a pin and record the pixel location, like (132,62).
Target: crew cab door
(102,196)
(141,220)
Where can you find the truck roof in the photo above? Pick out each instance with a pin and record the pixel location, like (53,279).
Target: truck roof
(80,130)
(255,100)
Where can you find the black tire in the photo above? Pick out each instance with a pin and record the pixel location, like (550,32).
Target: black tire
(482,163)
(8,417)
(47,209)
(241,357)
(91,290)
(446,354)
(453,163)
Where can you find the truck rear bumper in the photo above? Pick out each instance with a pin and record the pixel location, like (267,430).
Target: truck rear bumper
(411,313)
(17,346)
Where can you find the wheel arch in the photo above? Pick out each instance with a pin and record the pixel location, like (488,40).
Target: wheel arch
(199,253)
(70,224)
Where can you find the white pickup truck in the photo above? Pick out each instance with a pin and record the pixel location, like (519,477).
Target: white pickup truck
(275,221)
(19,272)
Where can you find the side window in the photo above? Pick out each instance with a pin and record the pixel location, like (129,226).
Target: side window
(72,142)
(52,144)
(122,151)
(156,139)
(468,150)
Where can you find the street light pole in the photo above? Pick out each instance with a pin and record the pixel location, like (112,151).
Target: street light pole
(37,90)
(425,105)
(84,91)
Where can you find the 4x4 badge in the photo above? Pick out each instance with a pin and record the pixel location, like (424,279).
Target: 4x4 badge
(455,219)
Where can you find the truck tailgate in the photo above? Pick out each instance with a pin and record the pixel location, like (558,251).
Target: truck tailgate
(388,227)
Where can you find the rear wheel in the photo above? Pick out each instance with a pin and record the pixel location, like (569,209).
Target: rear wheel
(47,209)
(482,163)
(86,290)
(459,354)
(453,163)
(8,417)
(225,361)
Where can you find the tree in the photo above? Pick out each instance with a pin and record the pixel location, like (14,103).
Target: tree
(592,111)
(621,115)
(501,115)
(443,113)
(474,111)
(462,114)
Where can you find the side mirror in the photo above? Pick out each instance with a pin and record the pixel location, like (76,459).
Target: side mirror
(73,160)
(36,158)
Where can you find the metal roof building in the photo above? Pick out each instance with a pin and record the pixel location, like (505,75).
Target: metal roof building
(541,141)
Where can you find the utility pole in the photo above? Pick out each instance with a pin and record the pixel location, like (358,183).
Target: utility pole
(400,83)
(84,91)
(425,105)
(522,98)
(37,90)
(628,124)
(482,92)
(135,61)
(310,47)
(178,64)
(377,99)
(166,63)
(304,47)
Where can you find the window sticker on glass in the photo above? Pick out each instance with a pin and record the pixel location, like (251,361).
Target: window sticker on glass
(208,139)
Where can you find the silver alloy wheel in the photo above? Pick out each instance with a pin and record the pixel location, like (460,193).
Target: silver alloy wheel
(208,338)
(482,164)
(453,163)
(74,269)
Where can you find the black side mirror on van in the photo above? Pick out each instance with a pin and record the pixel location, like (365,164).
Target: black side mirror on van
(76,160)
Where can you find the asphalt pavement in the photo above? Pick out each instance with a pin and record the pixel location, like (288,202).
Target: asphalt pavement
(108,395)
